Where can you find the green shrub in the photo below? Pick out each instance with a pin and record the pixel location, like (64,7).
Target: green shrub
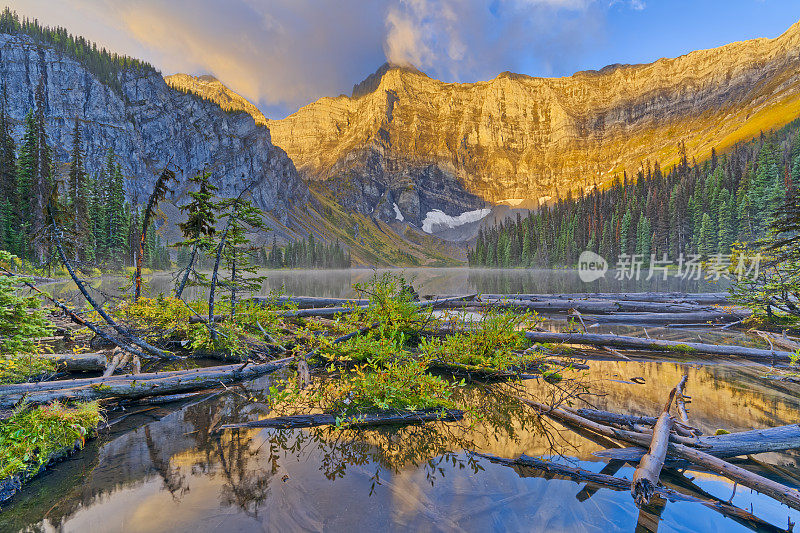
(21,319)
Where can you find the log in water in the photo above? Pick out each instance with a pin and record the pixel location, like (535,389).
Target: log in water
(638,343)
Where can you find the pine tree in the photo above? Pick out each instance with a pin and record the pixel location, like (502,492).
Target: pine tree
(77,196)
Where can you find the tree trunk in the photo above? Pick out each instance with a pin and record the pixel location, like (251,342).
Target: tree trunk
(84,362)
(752,442)
(179,291)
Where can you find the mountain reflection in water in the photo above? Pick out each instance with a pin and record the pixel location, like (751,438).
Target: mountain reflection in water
(175,474)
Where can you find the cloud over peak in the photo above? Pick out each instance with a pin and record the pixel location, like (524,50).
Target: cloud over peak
(282,54)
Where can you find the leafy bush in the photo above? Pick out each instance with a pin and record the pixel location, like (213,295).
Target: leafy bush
(492,342)
(20,368)
(21,319)
(362,348)
(31,435)
(391,305)
(400,384)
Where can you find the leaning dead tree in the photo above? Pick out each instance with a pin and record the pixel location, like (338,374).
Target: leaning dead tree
(133,339)
(160,190)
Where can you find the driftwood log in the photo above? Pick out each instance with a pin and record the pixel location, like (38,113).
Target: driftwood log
(638,343)
(588,306)
(781,493)
(691,317)
(135,385)
(332,311)
(775,439)
(645,477)
(309,302)
(368,419)
(703,298)
(73,362)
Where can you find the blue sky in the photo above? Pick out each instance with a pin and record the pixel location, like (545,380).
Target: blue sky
(282,54)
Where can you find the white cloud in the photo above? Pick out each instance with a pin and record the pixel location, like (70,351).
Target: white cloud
(285,53)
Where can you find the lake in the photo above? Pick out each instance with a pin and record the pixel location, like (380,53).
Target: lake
(163,468)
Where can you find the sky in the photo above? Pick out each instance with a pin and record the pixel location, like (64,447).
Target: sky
(283,54)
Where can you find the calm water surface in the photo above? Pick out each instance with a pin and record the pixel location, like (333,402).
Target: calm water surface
(164,469)
(438,281)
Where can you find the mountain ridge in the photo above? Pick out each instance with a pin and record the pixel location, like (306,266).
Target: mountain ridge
(523,137)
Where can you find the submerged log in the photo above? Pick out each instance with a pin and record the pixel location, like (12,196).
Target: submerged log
(752,442)
(135,385)
(638,343)
(78,362)
(364,420)
(645,477)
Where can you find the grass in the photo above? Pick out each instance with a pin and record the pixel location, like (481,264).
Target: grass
(31,436)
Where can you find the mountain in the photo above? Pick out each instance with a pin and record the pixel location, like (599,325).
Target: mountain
(210,88)
(406,145)
(148,125)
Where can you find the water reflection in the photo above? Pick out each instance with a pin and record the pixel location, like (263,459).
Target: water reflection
(175,473)
(439,281)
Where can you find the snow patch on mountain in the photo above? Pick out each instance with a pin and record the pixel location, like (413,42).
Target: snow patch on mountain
(440,220)
(397,214)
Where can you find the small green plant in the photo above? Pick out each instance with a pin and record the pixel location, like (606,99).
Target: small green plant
(31,435)
(399,384)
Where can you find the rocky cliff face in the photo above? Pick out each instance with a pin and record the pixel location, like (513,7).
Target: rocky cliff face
(148,125)
(210,88)
(404,138)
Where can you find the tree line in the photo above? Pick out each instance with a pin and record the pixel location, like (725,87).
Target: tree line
(101,225)
(307,253)
(105,65)
(694,208)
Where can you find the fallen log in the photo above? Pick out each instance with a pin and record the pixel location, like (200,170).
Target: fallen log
(777,439)
(581,475)
(308,302)
(354,421)
(645,477)
(781,493)
(630,421)
(691,317)
(73,362)
(135,385)
(599,306)
(778,340)
(705,298)
(333,311)
(638,343)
